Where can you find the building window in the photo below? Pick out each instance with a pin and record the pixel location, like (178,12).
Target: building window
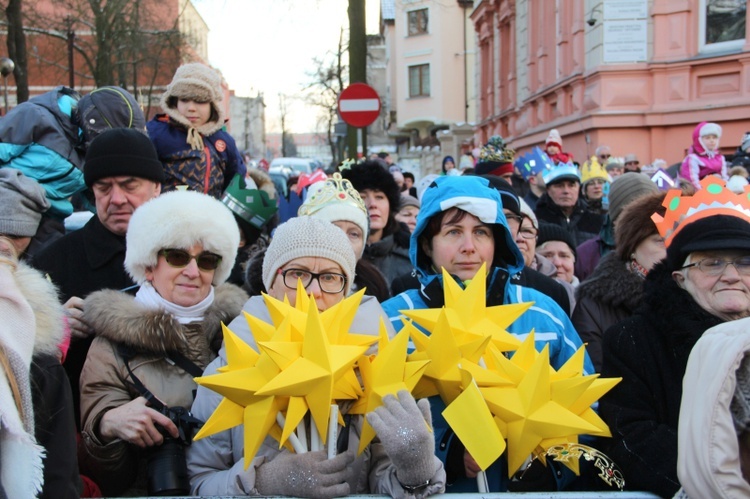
(419,80)
(418,22)
(722,25)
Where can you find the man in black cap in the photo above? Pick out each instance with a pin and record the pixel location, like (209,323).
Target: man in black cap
(123,171)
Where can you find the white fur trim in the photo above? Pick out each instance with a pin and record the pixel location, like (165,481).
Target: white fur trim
(180,219)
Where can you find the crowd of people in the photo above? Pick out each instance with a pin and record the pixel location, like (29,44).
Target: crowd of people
(108,326)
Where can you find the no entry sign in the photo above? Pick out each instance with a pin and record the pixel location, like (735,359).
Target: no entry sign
(359,105)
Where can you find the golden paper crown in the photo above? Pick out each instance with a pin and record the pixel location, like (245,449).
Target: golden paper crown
(334,189)
(593,169)
(712,199)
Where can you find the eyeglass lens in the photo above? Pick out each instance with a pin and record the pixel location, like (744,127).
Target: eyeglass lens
(329,282)
(715,266)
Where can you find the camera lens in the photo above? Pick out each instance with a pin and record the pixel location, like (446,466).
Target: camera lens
(167,469)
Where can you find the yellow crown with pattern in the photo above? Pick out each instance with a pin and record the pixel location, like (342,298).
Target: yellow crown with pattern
(331,192)
(593,169)
(713,198)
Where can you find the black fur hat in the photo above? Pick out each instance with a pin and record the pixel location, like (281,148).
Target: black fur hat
(370,175)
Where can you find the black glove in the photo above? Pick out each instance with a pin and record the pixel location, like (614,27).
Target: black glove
(536,477)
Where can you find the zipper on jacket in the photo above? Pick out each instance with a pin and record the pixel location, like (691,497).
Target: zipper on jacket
(207,151)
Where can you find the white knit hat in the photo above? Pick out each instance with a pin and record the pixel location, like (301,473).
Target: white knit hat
(335,199)
(528,212)
(306,236)
(180,219)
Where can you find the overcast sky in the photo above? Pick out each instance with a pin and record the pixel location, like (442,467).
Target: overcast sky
(268,45)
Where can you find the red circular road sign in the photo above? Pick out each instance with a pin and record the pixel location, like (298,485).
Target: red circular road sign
(359,105)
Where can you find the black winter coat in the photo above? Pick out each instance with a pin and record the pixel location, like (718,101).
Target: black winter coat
(391,254)
(87,260)
(583,224)
(650,352)
(611,294)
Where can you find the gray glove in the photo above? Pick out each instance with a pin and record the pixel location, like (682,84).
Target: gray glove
(402,426)
(304,475)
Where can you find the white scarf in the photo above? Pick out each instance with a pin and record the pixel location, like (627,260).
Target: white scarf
(151,299)
(21,457)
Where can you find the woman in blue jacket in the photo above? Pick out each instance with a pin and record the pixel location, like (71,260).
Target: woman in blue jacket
(461,226)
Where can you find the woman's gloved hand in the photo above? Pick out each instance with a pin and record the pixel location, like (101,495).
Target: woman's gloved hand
(403,426)
(304,475)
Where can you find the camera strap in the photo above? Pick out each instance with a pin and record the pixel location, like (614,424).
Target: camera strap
(174,358)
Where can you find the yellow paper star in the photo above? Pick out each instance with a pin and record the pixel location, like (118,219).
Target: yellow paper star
(312,375)
(386,373)
(469,316)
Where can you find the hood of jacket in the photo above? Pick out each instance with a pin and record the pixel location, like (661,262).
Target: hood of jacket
(45,303)
(612,284)
(119,318)
(708,463)
(473,195)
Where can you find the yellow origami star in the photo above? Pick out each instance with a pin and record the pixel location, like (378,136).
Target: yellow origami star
(543,407)
(313,373)
(469,316)
(383,374)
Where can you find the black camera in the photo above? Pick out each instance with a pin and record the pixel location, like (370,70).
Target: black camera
(166,465)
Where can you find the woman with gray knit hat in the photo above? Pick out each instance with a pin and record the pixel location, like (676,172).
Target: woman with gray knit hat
(180,249)
(189,136)
(703,281)
(318,254)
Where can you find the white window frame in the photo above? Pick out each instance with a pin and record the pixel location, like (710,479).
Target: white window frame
(707,48)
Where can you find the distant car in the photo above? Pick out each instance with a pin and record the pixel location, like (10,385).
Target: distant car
(298,165)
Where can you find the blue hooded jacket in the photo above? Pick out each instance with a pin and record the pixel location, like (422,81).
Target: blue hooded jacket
(550,324)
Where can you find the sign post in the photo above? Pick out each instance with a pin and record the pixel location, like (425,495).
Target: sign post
(359,107)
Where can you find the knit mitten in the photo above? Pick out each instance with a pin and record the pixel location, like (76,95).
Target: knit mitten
(304,475)
(403,426)
(740,406)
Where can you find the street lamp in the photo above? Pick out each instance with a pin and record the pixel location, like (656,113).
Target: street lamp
(6,67)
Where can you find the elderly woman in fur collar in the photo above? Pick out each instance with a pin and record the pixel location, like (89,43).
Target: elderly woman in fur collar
(181,248)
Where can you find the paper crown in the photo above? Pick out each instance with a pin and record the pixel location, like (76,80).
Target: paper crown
(532,163)
(562,171)
(712,199)
(250,204)
(593,169)
(332,191)
(496,151)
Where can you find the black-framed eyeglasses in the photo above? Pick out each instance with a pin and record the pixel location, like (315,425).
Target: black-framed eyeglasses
(179,258)
(605,156)
(716,266)
(329,282)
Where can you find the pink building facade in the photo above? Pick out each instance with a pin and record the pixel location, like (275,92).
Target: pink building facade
(636,75)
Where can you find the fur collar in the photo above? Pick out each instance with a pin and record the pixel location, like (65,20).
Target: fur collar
(48,312)
(612,284)
(116,316)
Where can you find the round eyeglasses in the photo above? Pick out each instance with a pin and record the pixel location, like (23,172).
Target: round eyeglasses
(329,282)
(178,259)
(716,266)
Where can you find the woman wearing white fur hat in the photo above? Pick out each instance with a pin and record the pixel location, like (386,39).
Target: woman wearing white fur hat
(192,146)
(181,248)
